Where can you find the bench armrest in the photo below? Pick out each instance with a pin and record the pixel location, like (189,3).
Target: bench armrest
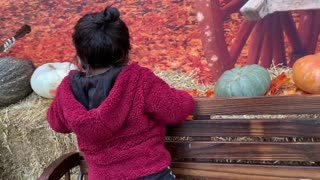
(58,168)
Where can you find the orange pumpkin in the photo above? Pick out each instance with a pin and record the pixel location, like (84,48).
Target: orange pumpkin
(306,73)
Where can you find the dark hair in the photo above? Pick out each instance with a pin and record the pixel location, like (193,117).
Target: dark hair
(102,39)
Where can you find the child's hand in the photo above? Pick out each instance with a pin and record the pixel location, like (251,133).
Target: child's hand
(190,118)
(53,92)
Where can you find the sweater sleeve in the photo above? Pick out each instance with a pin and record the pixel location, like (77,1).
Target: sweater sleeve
(55,117)
(164,103)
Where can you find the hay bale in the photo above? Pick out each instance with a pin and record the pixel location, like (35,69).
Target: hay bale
(180,80)
(28,145)
(277,69)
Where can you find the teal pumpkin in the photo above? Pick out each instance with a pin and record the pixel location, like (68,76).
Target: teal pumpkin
(249,80)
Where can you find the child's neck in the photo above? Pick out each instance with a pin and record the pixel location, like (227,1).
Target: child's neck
(99,70)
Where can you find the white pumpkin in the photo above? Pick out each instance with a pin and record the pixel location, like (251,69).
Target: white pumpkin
(47,77)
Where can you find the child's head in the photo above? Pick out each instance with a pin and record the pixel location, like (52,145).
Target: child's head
(102,39)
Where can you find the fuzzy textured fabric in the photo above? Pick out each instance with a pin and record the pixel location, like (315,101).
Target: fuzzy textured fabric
(124,137)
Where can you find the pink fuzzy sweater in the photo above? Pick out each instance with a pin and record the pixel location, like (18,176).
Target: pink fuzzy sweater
(124,137)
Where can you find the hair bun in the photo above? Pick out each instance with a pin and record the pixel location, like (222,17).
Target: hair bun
(111,14)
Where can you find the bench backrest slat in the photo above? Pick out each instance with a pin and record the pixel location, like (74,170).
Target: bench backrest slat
(241,171)
(258,105)
(265,151)
(247,127)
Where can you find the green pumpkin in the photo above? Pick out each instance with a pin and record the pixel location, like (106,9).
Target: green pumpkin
(250,80)
(15,75)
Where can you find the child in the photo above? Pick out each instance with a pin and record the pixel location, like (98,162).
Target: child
(117,110)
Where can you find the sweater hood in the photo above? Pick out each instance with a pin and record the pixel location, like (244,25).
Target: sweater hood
(109,117)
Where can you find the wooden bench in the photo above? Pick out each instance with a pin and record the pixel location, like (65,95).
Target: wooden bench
(277,139)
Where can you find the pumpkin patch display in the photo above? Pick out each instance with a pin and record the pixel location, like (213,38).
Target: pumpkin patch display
(47,77)
(306,73)
(15,77)
(250,80)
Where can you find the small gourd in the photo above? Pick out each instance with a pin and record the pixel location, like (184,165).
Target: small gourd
(47,77)
(15,77)
(249,80)
(306,73)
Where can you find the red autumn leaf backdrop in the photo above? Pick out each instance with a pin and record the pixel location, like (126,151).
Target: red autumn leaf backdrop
(164,33)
